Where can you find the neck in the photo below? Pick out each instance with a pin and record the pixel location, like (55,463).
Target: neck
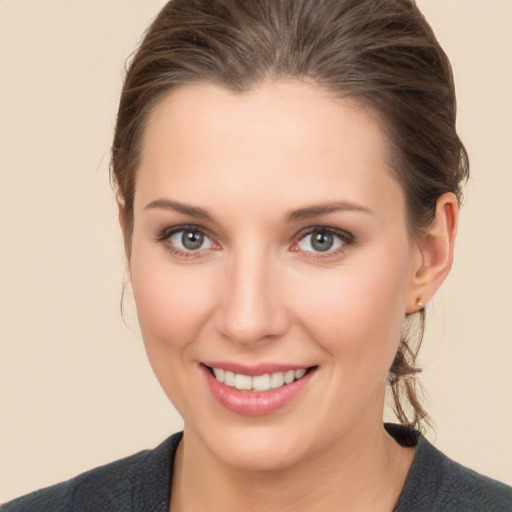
(366,470)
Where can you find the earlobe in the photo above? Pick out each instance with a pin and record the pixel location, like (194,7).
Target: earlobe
(434,253)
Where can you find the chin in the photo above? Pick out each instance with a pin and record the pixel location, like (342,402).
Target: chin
(258,448)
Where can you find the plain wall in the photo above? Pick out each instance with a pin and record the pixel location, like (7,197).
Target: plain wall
(76,390)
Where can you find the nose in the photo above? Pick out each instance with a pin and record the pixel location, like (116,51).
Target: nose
(252,307)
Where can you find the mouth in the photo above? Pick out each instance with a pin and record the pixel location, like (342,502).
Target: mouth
(258,383)
(258,390)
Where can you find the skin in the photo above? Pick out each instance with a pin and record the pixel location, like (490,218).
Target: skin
(257,291)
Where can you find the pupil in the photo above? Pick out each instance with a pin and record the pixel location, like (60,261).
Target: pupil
(192,240)
(322,241)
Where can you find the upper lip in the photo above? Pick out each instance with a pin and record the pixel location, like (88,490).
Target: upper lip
(254,369)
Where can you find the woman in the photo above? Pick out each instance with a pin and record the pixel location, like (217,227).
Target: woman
(288,178)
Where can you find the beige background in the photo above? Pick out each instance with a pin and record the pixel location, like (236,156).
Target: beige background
(76,390)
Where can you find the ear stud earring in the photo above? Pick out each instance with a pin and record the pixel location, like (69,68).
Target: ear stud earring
(419,302)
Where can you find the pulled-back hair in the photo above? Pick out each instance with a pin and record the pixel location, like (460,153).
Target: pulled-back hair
(382,53)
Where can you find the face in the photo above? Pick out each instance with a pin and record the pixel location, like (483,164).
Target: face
(270,251)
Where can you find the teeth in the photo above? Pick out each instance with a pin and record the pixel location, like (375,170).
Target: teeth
(229,379)
(243,382)
(259,382)
(219,374)
(276,380)
(289,377)
(300,373)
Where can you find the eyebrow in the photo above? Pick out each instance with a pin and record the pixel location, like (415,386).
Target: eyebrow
(186,209)
(299,214)
(317,210)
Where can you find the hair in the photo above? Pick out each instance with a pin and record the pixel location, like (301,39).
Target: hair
(382,53)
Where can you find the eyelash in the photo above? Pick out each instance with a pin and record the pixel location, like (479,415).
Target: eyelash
(345,237)
(165,239)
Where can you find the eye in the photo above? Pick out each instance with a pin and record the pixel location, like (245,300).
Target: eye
(183,239)
(323,240)
(190,240)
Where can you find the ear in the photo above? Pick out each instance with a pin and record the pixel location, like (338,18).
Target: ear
(121,212)
(121,215)
(434,253)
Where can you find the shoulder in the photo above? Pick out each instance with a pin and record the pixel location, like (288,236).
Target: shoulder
(465,489)
(124,485)
(437,483)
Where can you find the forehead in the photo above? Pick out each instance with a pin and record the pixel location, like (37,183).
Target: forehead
(288,140)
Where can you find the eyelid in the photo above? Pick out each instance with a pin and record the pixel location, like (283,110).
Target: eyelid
(343,234)
(165,235)
(346,237)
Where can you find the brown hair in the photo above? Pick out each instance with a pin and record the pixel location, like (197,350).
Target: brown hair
(381,52)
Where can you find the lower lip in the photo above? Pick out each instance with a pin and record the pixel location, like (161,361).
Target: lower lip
(252,403)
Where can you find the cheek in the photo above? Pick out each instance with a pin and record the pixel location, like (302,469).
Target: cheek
(173,302)
(173,306)
(356,314)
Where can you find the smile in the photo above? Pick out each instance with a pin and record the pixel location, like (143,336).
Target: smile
(256,391)
(257,383)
